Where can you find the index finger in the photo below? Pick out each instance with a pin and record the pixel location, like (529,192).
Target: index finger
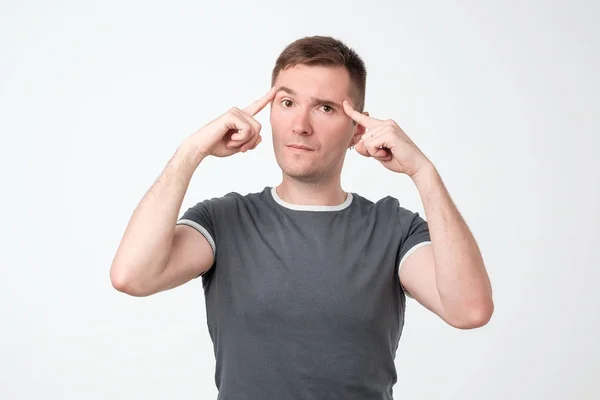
(362,119)
(259,104)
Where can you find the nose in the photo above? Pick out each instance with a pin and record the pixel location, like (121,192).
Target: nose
(302,124)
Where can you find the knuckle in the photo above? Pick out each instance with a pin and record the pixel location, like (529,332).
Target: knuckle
(233,111)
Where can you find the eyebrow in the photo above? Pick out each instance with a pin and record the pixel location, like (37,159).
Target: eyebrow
(315,100)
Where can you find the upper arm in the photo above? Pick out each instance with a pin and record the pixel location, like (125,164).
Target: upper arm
(416,267)
(191,256)
(417,277)
(193,248)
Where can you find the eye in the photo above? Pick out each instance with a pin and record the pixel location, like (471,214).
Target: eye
(286,103)
(327,108)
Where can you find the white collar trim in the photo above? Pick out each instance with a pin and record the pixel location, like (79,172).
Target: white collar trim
(299,207)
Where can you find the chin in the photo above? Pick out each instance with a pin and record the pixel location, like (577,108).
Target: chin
(301,171)
(302,174)
(304,177)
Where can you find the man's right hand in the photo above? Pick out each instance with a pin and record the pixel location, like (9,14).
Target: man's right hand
(233,132)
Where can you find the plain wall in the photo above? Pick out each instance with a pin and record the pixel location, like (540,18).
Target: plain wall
(96,96)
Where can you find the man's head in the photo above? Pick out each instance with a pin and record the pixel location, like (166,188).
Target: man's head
(325,51)
(314,76)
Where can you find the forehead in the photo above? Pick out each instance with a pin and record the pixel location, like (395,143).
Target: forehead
(316,81)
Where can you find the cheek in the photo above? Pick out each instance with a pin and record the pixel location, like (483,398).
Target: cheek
(337,126)
(277,122)
(282,119)
(276,118)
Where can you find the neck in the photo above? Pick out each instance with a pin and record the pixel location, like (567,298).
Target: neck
(318,193)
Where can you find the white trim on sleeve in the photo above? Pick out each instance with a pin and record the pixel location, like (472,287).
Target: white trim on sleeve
(200,229)
(408,253)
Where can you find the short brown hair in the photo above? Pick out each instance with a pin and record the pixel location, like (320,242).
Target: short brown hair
(329,52)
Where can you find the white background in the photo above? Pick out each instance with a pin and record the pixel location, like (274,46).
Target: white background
(96,96)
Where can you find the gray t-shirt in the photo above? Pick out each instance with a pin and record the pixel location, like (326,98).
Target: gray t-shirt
(304,302)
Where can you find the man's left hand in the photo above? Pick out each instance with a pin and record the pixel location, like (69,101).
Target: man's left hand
(386,142)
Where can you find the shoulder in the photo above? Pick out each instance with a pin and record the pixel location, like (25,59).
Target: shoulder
(386,205)
(230,201)
(389,209)
(215,214)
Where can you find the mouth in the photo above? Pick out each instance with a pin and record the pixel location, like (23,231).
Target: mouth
(299,147)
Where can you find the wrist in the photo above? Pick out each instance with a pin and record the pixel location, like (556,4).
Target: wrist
(192,151)
(188,153)
(425,175)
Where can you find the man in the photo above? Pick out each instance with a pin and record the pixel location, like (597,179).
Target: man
(305,283)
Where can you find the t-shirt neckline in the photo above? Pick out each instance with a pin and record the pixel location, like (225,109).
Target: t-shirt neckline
(301,207)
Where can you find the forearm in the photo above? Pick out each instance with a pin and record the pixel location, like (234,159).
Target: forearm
(462,281)
(146,243)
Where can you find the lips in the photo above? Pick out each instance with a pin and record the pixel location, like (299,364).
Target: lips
(299,147)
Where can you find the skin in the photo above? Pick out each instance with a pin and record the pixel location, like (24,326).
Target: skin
(155,254)
(307,110)
(313,107)
(310,106)
(449,277)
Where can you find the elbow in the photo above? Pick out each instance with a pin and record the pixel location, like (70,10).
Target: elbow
(475,316)
(120,281)
(124,283)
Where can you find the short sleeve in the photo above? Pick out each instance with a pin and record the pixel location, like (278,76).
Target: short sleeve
(201,218)
(415,232)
